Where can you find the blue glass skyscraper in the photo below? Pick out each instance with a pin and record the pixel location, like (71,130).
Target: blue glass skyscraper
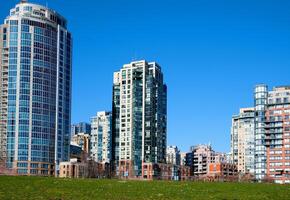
(35,89)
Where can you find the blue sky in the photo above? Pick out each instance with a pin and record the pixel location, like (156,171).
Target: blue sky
(212,53)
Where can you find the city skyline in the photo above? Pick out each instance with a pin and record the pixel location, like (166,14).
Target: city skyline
(207,63)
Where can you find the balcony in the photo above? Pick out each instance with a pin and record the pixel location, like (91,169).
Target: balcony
(274,132)
(276,125)
(273,121)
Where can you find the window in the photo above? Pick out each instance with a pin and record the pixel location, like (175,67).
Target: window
(27,8)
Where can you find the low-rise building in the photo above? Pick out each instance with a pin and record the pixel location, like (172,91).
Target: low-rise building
(200,158)
(72,169)
(84,169)
(163,171)
(223,171)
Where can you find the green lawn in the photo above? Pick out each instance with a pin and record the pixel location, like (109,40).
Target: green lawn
(52,188)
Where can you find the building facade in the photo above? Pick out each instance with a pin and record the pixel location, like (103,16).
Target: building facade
(261,98)
(101,137)
(272,126)
(164,171)
(183,158)
(76,151)
(88,169)
(221,171)
(35,89)
(202,155)
(243,140)
(277,134)
(172,155)
(82,140)
(139,117)
(81,127)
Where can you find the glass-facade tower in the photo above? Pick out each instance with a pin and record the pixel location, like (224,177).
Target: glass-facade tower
(36,61)
(261,96)
(139,117)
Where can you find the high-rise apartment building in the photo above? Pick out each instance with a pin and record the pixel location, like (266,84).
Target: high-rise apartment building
(243,140)
(35,89)
(272,133)
(277,134)
(101,137)
(139,117)
(173,155)
(81,127)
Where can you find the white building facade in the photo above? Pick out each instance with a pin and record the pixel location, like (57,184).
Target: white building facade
(101,137)
(173,155)
(139,117)
(243,140)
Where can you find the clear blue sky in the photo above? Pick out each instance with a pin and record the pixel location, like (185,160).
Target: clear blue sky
(212,53)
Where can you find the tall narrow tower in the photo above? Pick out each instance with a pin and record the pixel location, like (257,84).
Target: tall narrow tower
(35,89)
(261,97)
(243,140)
(139,117)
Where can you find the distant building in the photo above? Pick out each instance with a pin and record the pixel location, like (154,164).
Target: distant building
(82,140)
(223,171)
(76,151)
(182,158)
(220,157)
(202,156)
(172,155)
(139,117)
(189,159)
(81,127)
(101,137)
(229,157)
(87,169)
(163,171)
(243,140)
(72,169)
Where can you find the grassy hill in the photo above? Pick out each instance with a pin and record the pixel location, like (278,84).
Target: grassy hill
(53,188)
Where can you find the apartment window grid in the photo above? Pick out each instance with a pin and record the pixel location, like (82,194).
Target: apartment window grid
(31,92)
(278,135)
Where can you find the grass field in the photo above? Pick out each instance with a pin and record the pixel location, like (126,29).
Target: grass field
(52,188)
